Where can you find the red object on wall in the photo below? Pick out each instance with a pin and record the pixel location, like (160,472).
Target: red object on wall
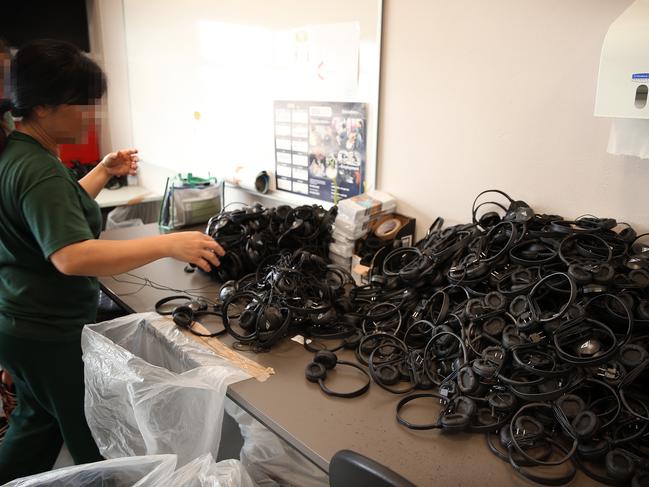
(87,153)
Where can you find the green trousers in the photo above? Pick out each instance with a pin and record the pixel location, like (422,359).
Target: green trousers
(48,376)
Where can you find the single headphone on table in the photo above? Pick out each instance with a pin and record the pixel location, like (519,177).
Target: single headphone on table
(325,360)
(184,315)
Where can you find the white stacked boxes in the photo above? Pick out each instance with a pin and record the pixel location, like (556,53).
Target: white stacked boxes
(353,222)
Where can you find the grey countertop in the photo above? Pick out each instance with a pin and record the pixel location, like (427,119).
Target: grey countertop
(318,425)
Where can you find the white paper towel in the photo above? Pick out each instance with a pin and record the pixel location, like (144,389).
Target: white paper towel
(629,137)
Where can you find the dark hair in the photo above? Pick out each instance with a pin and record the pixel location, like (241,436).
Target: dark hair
(50,73)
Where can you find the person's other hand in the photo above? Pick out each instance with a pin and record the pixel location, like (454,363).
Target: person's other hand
(195,248)
(121,163)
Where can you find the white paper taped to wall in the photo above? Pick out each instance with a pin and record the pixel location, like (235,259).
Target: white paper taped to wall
(629,137)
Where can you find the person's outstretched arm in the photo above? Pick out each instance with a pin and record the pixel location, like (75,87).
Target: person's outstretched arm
(109,257)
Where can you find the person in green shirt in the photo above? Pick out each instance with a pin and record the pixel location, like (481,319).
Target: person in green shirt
(50,255)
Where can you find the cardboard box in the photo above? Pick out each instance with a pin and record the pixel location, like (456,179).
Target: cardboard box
(404,236)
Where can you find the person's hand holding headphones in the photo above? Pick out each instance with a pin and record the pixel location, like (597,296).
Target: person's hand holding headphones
(195,248)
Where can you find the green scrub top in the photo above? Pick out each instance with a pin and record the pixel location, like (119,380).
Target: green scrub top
(42,209)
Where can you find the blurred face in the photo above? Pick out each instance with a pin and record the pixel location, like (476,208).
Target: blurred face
(5,63)
(67,124)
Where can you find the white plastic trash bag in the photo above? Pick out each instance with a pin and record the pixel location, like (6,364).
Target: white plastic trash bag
(203,472)
(121,217)
(271,461)
(149,471)
(152,390)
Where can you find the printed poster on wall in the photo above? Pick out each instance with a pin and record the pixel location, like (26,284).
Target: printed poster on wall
(320,148)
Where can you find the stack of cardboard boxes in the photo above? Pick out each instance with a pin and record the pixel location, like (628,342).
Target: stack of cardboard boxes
(354,220)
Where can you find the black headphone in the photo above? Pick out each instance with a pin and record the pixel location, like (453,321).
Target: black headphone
(518,211)
(262,323)
(231,267)
(455,416)
(185,315)
(324,360)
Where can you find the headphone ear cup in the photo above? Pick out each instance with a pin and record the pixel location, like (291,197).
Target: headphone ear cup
(474,308)
(272,318)
(605,274)
(467,381)
(628,234)
(586,425)
(476,270)
(183,316)
(579,274)
(632,355)
(484,368)
(230,268)
(643,310)
(388,374)
(619,465)
(228,289)
(511,337)
(248,317)
(571,405)
(494,325)
(315,371)
(495,301)
(464,408)
(639,277)
(519,305)
(324,318)
(489,219)
(592,450)
(327,358)
(455,422)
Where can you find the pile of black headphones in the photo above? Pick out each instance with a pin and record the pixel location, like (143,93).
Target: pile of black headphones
(528,327)
(253,234)
(294,292)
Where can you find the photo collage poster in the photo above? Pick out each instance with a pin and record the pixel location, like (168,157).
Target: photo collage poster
(320,148)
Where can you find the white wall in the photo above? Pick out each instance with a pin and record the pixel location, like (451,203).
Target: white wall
(158,47)
(106,19)
(478,94)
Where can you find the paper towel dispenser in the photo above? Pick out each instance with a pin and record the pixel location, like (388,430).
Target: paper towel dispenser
(623,81)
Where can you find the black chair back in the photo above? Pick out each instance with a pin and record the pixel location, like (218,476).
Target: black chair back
(351,469)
